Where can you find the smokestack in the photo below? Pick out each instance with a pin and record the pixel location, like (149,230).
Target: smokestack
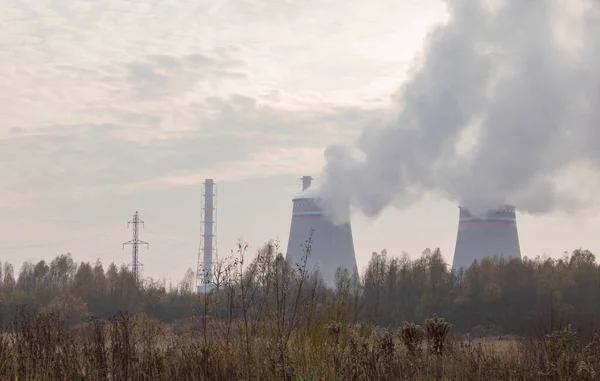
(306,181)
(208,247)
(493,234)
(208,227)
(332,246)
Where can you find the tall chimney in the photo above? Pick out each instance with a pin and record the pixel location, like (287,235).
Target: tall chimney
(332,246)
(306,181)
(493,234)
(204,272)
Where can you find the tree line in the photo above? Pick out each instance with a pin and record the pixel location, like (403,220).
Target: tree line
(81,290)
(529,296)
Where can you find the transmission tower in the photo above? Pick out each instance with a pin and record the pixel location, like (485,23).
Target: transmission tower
(135,242)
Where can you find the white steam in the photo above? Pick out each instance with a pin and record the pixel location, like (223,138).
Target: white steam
(505,99)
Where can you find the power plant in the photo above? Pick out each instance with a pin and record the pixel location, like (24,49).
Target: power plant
(493,234)
(331,246)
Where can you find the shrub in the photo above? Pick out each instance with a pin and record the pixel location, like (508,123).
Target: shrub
(412,337)
(70,308)
(437,333)
(560,349)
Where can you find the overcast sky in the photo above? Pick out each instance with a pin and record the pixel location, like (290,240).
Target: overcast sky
(108,107)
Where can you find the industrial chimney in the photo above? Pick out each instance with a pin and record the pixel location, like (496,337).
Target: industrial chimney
(208,244)
(492,234)
(332,246)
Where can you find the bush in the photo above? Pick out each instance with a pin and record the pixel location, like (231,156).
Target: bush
(412,337)
(560,348)
(71,309)
(437,332)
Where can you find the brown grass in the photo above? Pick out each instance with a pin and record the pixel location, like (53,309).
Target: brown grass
(39,347)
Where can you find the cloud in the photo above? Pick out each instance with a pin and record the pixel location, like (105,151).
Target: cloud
(237,137)
(116,96)
(162,76)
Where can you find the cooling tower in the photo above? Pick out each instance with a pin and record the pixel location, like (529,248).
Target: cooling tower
(332,246)
(493,234)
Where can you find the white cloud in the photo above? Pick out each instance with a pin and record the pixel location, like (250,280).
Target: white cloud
(115,99)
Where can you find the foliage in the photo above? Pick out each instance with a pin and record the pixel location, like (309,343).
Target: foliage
(561,349)
(136,347)
(71,308)
(273,320)
(412,336)
(437,330)
(529,297)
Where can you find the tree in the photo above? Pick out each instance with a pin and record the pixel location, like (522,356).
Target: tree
(61,272)
(188,283)
(83,282)
(8,283)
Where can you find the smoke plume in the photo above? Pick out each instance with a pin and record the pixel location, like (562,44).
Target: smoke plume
(502,104)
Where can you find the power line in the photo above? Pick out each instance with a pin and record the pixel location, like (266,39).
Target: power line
(135,242)
(55,243)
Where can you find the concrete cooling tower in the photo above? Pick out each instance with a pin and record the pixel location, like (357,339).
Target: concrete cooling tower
(332,245)
(493,234)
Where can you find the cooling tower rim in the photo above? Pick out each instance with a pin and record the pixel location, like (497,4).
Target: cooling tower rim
(308,198)
(501,208)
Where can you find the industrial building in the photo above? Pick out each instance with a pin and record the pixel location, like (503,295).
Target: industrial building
(492,234)
(205,278)
(332,246)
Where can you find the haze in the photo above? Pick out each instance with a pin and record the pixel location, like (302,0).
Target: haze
(115,106)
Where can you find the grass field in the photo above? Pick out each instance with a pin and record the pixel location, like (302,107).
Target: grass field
(39,347)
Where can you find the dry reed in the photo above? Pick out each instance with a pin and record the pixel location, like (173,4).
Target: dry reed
(137,347)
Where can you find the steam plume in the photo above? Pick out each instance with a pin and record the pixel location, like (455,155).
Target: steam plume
(505,98)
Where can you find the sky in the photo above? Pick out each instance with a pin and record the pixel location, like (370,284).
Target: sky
(109,107)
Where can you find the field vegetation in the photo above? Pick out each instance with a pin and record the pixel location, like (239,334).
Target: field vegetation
(530,319)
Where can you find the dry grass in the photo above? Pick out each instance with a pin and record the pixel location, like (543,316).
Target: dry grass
(38,347)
